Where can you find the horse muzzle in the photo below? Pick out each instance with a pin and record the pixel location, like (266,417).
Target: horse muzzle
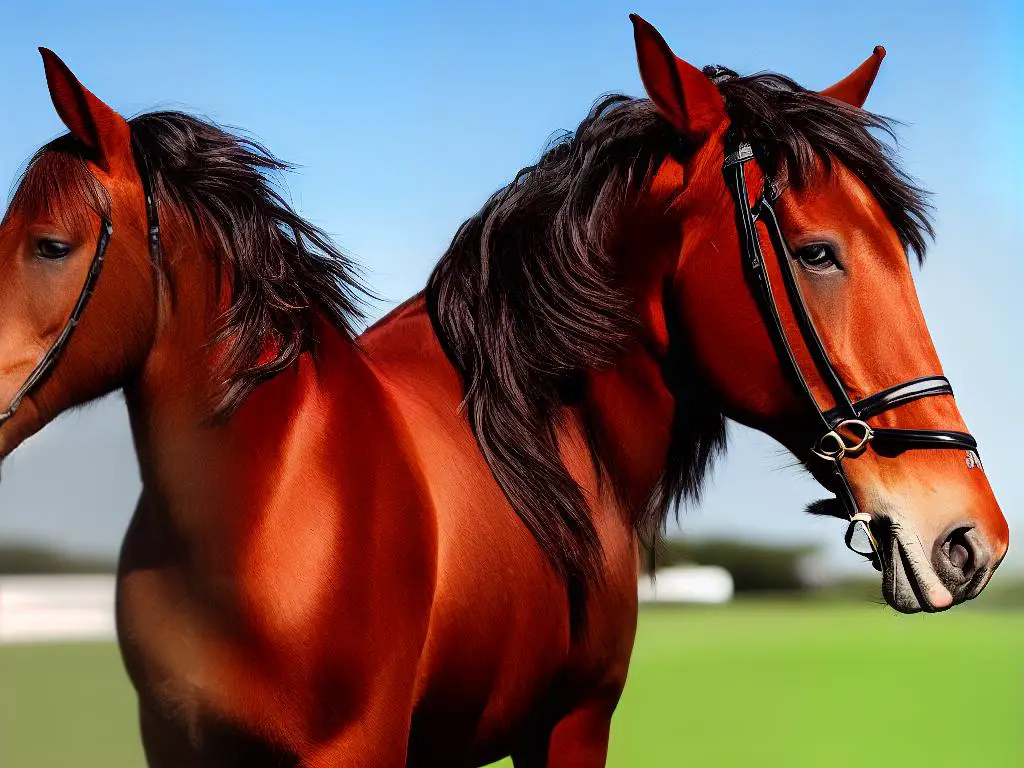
(915,578)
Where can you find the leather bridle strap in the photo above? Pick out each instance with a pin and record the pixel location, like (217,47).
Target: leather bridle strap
(757,274)
(887,440)
(846,432)
(49,360)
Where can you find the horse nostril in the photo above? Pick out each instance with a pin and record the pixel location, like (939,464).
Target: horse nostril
(960,557)
(958,554)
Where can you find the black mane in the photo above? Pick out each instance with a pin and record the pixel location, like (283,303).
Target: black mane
(792,126)
(526,298)
(284,269)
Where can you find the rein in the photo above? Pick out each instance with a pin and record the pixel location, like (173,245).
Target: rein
(845,430)
(49,360)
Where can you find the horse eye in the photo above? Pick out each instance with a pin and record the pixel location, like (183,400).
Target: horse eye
(52,250)
(817,256)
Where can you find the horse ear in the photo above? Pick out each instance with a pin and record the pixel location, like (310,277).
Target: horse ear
(853,89)
(680,91)
(92,122)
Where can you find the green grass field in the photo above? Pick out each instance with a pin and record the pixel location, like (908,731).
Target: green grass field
(752,684)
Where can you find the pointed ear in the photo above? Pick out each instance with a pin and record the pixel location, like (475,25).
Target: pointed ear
(92,122)
(853,89)
(680,91)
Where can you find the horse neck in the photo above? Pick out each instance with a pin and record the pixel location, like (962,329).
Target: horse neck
(630,406)
(197,471)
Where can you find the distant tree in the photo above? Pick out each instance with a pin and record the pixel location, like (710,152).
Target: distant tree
(30,559)
(754,567)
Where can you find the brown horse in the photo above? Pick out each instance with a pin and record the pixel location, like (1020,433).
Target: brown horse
(333,563)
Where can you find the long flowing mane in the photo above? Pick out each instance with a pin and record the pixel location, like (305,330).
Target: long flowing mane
(283,269)
(527,298)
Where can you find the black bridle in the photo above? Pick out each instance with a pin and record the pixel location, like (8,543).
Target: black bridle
(52,355)
(845,431)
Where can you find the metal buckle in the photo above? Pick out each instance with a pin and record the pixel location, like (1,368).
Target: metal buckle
(744,153)
(833,445)
(862,541)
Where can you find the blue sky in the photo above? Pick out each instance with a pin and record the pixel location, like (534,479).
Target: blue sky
(403,117)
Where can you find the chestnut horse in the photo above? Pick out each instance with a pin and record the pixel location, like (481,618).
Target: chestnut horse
(420,547)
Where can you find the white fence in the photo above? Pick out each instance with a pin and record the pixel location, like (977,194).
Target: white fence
(36,609)
(687,584)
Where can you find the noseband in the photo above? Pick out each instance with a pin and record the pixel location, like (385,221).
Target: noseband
(845,432)
(49,360)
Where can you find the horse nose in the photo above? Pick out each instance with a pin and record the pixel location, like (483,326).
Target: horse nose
(960,557)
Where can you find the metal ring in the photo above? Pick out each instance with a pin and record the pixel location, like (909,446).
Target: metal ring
(832,446)
(862,521)
(866,434)
(833,452)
